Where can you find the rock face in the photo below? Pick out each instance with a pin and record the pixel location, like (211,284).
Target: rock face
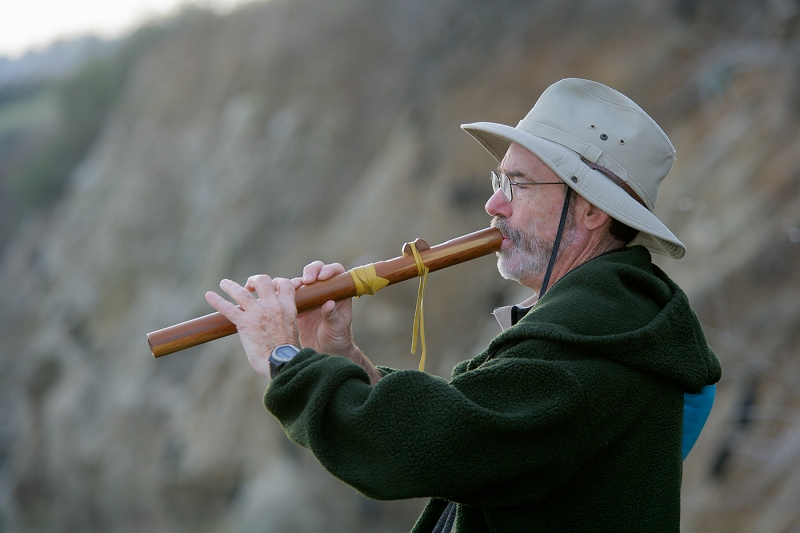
(298,130)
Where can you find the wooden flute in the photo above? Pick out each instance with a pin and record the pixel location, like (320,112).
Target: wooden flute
(214,326)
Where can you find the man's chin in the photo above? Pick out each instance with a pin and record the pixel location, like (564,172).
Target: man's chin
(508,271)
(518,266)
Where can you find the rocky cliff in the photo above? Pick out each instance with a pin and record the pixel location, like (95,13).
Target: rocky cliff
(301,129)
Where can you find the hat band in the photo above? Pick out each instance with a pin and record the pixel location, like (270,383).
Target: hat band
(616,179)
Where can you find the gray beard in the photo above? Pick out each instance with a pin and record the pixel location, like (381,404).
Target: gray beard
(529,255)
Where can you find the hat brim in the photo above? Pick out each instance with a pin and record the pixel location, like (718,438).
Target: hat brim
(591,184)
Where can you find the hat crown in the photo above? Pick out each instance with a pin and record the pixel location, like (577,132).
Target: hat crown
(607,128)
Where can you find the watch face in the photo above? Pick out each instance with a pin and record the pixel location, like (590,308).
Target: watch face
(284,354)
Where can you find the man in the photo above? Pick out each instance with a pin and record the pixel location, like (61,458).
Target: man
(571,419)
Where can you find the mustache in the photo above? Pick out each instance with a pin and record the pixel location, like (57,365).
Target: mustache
(508,231)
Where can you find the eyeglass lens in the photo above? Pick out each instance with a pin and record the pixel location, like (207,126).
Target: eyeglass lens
(503,183)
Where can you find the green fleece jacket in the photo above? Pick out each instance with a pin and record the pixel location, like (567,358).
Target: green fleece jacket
(569,421)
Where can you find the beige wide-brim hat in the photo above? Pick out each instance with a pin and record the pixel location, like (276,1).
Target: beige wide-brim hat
(577,121)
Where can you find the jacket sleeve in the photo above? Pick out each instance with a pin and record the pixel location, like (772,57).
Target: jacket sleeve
(471,440)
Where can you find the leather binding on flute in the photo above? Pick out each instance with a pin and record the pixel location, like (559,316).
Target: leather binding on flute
(215,326)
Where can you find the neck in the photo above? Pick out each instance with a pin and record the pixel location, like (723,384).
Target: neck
(572,256)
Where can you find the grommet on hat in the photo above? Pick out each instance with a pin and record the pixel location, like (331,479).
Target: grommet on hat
(561,130)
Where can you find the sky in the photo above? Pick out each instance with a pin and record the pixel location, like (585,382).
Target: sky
(33,24)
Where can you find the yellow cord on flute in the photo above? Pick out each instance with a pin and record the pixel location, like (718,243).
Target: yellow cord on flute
(367,280)
(419,313)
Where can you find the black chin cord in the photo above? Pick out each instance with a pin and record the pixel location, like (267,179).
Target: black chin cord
(556,243)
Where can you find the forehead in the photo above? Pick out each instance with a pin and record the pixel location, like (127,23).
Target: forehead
(520,161)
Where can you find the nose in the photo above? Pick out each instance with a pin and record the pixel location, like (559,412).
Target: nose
(496,205)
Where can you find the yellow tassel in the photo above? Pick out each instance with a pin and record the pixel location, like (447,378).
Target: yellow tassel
(419,313)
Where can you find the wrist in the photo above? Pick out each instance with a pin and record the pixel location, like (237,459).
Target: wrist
(353,353)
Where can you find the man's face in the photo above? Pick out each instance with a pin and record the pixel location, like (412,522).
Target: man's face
(530,221)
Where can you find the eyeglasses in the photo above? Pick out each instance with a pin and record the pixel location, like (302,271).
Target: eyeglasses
(502,182)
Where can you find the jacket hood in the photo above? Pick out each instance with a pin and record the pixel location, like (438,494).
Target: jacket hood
(658,333)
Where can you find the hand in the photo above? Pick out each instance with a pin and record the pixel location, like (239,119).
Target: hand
(329,328)
(263,323)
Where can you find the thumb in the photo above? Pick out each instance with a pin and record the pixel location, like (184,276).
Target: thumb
(329,313)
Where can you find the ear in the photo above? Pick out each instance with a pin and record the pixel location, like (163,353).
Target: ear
(590,216)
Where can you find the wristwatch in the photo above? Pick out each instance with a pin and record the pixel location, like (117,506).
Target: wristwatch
(280,356)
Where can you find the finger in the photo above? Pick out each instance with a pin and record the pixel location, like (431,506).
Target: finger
(225,308)
(311,271)
(241,295)
(262,284)
(285,292)
(298,282)
(328,271)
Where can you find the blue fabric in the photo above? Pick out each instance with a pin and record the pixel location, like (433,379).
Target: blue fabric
(695,413)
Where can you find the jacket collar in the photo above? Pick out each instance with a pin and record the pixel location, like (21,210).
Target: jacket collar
(511,314)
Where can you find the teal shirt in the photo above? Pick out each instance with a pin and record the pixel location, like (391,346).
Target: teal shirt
(570,420)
